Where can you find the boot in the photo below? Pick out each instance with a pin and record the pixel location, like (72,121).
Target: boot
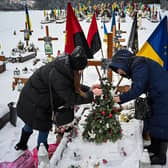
(45,144)
(154,147)
(23,140)
(160,158)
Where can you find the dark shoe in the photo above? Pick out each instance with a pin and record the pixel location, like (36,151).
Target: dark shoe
(158,159)
(154,147)
(22,144)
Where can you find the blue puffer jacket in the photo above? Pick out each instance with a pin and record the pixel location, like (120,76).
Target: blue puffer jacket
(147,76)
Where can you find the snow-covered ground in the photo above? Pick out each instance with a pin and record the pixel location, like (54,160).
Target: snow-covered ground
(11,21)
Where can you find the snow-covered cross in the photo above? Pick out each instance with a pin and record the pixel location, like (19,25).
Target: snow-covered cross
(47,43)
(26,34)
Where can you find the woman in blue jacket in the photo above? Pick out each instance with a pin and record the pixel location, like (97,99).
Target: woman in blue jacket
(147,77)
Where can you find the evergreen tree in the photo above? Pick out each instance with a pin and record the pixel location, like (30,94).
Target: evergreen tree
(101,123)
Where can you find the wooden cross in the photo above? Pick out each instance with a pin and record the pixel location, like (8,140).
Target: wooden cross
(26,33)
(97,63)
(119,28)
(47,38)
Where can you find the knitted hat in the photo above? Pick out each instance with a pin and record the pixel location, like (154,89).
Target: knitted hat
(78,59)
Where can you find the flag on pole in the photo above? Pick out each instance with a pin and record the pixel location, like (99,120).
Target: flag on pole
(93,37)
(74,34)
(105,33)
(133,38)
(45,13)
(28,20)
(156,47)
(113,23)
(55,12)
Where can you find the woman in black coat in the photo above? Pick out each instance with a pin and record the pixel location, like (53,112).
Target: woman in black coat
(34,105)
(147,77)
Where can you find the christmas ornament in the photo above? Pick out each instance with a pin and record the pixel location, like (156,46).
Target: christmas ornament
(111,131)
(107,125)
(110,115)
(91,134)
(103,113)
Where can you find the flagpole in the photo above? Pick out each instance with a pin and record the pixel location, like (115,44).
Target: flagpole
(102,52)
(100,78)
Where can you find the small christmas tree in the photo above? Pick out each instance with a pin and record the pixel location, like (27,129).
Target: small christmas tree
(101,123)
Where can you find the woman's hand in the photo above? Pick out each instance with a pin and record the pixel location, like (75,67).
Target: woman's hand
(95,86)
(97,92)
(116,99)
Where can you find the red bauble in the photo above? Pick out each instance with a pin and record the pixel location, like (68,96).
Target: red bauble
(103,112)
(110,115)
(111,132)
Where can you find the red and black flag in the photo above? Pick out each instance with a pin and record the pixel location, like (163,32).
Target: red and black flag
(93,37)
(74,34)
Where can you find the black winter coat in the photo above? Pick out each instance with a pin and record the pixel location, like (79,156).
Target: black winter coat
(34,106)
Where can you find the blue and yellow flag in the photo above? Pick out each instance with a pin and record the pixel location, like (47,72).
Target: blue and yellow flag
(113,23)
(156,47)
(105,33)
(28,20)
